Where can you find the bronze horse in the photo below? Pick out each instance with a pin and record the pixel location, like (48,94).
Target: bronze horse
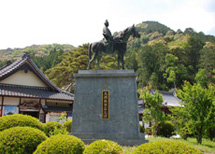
(117,46)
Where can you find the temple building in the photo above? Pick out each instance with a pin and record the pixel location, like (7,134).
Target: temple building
(170,100)
(24,89)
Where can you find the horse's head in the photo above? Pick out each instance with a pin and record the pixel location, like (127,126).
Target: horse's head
(134,32)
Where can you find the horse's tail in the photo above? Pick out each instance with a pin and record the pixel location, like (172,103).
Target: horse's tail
(89,51)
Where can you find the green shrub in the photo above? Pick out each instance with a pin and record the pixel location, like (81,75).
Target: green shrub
(61,144)
(103,146)
(20,140)
(51,126)
(165,129)
(165,147)
(20,120)
(141,129)
(68,125)
(56,131)
(148,130)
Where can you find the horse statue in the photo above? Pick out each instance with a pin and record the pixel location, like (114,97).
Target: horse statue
(117,46)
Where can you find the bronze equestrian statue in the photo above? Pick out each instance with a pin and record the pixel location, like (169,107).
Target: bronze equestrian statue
(111,45)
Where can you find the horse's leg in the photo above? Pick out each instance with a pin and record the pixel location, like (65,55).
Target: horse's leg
(122,60)
(92,60)
(118,61)
(98,65)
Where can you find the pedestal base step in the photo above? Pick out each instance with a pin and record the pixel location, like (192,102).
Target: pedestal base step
(122,139)
(120,142)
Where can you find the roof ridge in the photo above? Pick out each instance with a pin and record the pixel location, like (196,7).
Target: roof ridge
(6,68)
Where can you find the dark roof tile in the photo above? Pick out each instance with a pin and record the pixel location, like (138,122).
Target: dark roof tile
(33,92)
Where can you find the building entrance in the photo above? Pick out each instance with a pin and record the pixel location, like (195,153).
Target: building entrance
(33,114)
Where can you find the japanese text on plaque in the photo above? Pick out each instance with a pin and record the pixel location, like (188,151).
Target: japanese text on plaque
(105,104)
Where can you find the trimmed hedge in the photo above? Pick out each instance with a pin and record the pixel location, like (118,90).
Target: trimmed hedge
(165,147)
(20,140)
(61,144)
(50,127)
(68,125)
(103,146)
(165,129)
(15,120)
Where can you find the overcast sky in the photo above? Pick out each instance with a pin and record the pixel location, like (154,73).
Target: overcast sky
(75,22)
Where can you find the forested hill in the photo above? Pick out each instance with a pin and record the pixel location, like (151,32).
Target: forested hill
(41,54)
(154,32)
(164,58)
(37,50)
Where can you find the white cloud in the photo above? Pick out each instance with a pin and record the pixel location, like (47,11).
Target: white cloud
(27,22)
(190,15)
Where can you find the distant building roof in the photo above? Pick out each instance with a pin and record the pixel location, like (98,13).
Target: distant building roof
(169,99)
(52,92)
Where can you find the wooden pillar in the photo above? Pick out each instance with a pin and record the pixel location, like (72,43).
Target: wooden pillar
(2,104)
(20,100)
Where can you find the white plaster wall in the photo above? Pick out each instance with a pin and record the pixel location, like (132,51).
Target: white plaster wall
(22,78)
(54,116)
(43,102)
(47,117)
(11,101)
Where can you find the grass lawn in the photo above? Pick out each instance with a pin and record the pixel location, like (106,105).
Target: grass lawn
(207,146)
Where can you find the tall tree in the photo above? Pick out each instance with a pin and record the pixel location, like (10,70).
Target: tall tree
(193,53)
(202,77)
(77,59)
(72,61)
(153,104)
(175,72)
(151,59)
(198,103)
(207,61)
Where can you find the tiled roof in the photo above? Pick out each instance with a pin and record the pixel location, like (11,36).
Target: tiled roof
(33,92)
(170,99)
(56,108)
(25,59)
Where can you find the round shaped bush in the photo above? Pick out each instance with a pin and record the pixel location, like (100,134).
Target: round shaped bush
(50,126)
(103,146)
(61,144)
(68,125)
(165,129)
(165,147)
(20,120)
(20,140)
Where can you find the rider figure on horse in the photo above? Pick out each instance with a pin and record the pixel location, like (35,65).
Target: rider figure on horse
(108,41)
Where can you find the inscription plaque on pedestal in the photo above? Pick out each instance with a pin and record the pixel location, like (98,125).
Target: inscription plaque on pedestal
(105,105)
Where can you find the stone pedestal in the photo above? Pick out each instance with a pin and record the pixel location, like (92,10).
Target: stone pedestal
(106,107)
